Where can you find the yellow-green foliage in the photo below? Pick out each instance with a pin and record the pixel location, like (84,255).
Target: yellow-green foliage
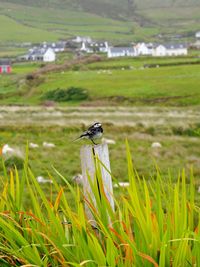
(154,224)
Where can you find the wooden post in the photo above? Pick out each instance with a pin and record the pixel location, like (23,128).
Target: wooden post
(88,168)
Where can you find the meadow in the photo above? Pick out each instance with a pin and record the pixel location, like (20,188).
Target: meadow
(36,24)
(133,81)
(142,104)
(176,129)
(114,21)
(138,85)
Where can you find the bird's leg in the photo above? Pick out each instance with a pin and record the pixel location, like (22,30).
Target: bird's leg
(93,142)
(98,185)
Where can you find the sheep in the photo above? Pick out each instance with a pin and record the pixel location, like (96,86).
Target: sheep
(48,145)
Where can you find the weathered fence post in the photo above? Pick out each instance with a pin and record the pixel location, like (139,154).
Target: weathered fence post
(88,168)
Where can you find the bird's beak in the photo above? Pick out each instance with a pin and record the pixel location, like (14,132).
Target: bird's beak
(1,149)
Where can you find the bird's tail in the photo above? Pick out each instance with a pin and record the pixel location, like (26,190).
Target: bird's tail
(78,138)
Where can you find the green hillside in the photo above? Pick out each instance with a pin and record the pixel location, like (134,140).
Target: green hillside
(115,20)
(20,32)
(107,82)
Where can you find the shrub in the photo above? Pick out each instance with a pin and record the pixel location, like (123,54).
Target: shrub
(33,80)
(192,131)
(70,94)
(30,77)
(14,161)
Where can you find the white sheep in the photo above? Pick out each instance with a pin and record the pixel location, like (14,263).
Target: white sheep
(122,184)
(42,180)
(32,145)
(156,145)
(7,150)
(48,145)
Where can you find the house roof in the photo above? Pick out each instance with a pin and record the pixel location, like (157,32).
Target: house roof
(5,62)
(149,45)
(38,52)
(175,46)
(95,44)
(166,45)
(59,45)
(122,49)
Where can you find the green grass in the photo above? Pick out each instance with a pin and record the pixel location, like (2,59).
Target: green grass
(111,20)
(155,223)
(10,52)
(118,63)
(17,32)
(176,133)
(109,81)
(25,68)
(50,24)
(11,85)
(139,84)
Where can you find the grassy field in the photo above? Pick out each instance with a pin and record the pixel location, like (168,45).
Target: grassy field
(42,24)
(141,85)
(177,129)
(11,52)
(172,81)
(111,20)
(110,83)
(22,33)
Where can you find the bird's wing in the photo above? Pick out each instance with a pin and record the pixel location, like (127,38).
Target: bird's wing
(86,133)
(90,128)
(91,131)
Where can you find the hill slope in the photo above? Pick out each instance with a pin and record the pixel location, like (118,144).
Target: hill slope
(121,20)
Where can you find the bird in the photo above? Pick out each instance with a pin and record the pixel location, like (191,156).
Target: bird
(95,131)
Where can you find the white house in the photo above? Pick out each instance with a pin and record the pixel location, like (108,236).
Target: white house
(49,55)
(144,49)
(169,50)
(121,52)
(80,39)
(176,49)
(56,47)
(196,45)
(159,51)
(197,34)
(41,54)
(94,47)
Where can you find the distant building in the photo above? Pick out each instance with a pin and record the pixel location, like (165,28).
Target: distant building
(144,49)
(197,35)
(56,47)
(80,39)
(5,66)
(162,50)
(195,45)
(94,47)
(40,54)
(121,52)
(159,51)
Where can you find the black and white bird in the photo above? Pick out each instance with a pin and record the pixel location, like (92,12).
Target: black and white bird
(93,132)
